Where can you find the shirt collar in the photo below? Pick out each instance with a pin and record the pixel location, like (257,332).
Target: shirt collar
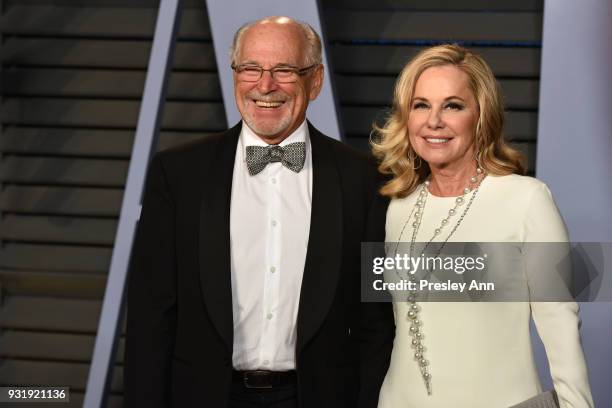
(249,138)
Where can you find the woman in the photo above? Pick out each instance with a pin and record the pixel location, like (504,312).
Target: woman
(455,179)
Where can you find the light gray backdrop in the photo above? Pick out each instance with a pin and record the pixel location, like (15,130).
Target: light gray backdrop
(575,149)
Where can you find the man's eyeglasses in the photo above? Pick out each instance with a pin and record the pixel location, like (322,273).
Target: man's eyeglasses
(282,74)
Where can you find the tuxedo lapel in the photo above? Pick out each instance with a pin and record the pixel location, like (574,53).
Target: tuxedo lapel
(214,245)
(323,257)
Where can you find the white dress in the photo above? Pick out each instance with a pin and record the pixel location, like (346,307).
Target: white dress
(480,354)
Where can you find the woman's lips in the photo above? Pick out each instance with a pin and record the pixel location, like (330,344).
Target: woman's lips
(437,140)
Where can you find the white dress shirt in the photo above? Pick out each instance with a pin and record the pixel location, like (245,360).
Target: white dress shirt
(269,227)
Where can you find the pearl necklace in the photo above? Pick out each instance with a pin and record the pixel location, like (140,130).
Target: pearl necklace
(413,309)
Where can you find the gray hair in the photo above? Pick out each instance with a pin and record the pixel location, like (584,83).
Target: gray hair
(313,41)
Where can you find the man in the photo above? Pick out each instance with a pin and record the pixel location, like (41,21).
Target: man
(245,282)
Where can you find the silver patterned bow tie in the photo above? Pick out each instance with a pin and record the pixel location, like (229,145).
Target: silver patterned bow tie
(291,156)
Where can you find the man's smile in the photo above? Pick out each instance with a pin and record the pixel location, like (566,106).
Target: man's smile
(268,104)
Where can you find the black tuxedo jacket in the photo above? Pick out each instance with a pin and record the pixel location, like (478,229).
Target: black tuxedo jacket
(179,319)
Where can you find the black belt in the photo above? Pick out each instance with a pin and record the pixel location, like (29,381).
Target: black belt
(264,379)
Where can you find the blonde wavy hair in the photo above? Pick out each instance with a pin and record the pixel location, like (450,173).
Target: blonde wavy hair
(391,144)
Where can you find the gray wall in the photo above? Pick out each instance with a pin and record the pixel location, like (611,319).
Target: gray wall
(575,146)
(73,74)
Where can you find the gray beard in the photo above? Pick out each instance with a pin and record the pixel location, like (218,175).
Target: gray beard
(276,129)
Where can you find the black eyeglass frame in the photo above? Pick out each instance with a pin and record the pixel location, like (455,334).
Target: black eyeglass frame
(273,70)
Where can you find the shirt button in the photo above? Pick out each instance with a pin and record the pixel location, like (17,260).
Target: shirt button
(272,269)
(273,181)
(274,223)
(266,362)
(270,316)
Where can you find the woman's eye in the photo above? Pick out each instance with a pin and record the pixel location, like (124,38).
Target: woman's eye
(454,106)
(419,105)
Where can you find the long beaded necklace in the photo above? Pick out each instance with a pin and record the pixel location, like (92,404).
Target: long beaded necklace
(413,309)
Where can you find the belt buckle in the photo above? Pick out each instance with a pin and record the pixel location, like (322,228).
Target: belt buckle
(257,373)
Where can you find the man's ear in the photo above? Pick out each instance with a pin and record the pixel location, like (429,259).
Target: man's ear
(317,82)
